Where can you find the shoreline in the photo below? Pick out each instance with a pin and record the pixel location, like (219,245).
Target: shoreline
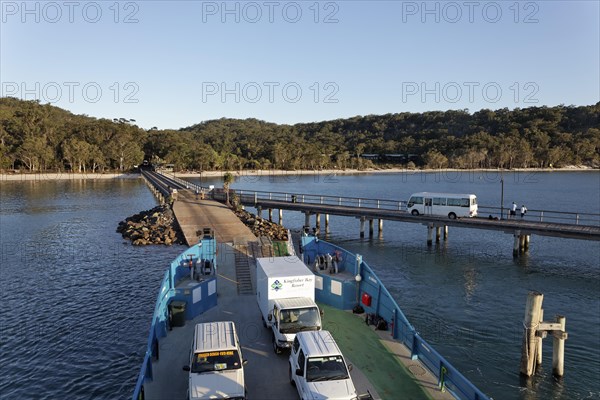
(58,176)
(23,177)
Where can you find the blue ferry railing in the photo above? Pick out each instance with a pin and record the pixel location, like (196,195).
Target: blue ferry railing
(384,305)
(168,292)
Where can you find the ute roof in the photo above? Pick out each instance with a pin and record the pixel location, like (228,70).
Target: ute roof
(318,343)
(214,336)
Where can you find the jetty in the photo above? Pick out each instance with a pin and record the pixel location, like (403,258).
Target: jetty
(567,225)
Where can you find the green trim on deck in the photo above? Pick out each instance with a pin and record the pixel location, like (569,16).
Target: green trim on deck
(362,347)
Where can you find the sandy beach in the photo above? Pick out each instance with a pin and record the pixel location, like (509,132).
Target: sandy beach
(272,172)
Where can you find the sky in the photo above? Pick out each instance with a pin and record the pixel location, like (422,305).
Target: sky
(172,64)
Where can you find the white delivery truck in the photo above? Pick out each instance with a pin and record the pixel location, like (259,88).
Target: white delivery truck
(285,292)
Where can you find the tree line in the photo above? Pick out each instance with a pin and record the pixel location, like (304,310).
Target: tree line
(40,137)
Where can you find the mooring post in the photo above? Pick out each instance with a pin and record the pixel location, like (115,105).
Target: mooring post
(370,227)
(438,233)
(445,232)
(326,223)
(530,324)
(362,227)
(280,216)
(429,234)
(558,347)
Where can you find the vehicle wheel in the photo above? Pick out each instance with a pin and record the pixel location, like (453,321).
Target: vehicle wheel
(276,348)
(414,212)
(452,215)
(292,382)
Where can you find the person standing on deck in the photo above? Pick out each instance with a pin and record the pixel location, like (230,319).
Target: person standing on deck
(523,210)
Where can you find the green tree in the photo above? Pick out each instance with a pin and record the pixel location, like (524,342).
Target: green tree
(228,179)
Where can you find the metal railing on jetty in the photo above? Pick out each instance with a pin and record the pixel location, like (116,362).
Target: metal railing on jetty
(571,218)
(382,304)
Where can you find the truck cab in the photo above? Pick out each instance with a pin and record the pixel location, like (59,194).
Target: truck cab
(317,368)
(290,316)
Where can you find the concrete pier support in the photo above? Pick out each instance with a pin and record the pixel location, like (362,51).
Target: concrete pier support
(259,211)
(438,233)
(380,228)
(430,235)
(445,232)
(362,227)
(318,222)
(326,223)
(532,319)
(558,348)
(307,219)
(280,217)
(538,350)
(270,215)
(521,244)
(370,227)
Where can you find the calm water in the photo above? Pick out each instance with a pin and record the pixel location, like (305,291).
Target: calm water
(77,299)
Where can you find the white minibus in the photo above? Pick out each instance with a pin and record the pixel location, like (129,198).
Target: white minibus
(451,205)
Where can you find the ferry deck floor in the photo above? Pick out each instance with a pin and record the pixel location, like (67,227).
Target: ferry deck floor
(376,369)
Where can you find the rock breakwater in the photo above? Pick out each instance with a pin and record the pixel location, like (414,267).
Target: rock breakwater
(262,227)
(155,226)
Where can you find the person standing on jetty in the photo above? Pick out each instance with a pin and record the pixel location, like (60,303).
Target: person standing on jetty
(523,210)
(513,210)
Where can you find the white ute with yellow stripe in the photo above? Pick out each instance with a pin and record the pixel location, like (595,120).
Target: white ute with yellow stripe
(216,369)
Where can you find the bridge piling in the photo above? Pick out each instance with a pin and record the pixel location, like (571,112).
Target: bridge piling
(429,234)
(362,227)
(270,215)
(438,233)
(280,217)
(380,228)
(516,243)
(326,223)
(445,232)
(370,227)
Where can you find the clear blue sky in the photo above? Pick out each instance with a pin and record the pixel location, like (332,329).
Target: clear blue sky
(176,63)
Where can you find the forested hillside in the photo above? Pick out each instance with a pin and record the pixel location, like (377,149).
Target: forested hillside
(37,137)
